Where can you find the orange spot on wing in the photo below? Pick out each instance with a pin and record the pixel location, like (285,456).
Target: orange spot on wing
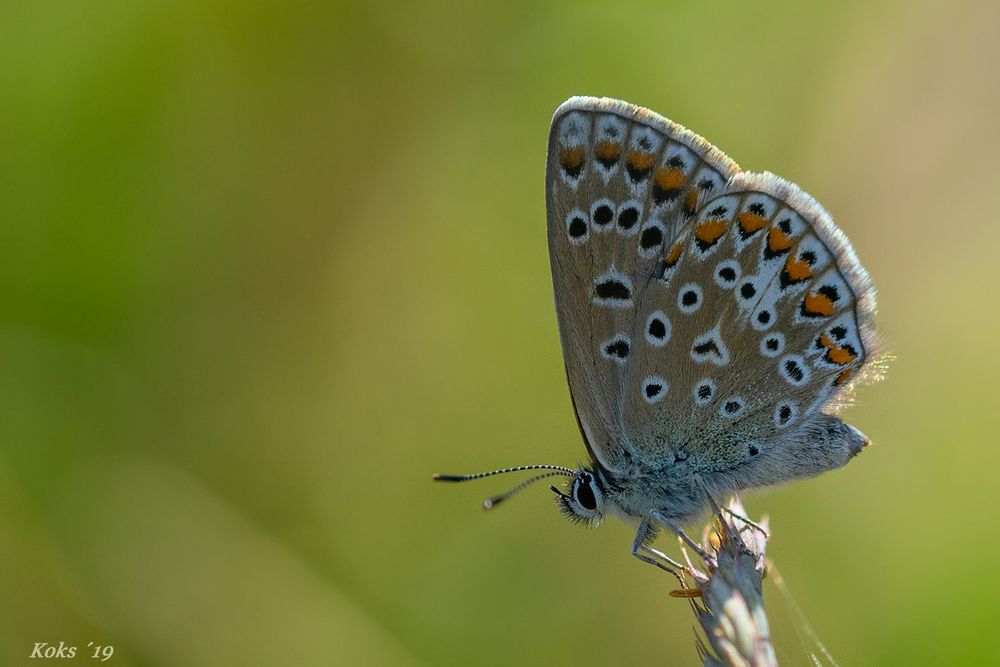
(669,179)
(691,201)
(841,356)
(826,341)
(797,270)
(818,304)
(751,222)
(778,240)
(843,377)
(608,151)
(709,231)
(675,254)
(640,160)
(571,158)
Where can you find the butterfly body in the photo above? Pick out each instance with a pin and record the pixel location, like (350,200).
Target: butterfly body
(635,491)
(679,488)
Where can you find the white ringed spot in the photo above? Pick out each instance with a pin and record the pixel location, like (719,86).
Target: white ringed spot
(627,220)
(763,318)
(689,298)
(772,344)
(794,370)
(727,272)
(602,214)
(613,289)
(785,413)
(658,329)
(617,348)
(651,239)
(733,407)
(704,391)
(654,388)
(748,293)
(709,347)
(577,227)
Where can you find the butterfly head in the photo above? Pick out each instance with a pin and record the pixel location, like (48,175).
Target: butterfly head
(584,502)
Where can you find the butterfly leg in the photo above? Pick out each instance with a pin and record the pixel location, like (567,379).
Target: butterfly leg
(719,509)
(647,554)
(747,521)
(660,517)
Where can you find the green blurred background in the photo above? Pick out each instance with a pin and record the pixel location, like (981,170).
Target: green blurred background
(266,266)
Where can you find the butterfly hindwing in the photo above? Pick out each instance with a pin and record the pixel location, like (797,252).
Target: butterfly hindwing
(621,181)
(770,318)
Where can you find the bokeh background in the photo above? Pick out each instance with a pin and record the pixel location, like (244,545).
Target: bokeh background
(265,266)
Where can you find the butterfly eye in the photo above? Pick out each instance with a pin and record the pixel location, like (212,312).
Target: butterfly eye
(585,494)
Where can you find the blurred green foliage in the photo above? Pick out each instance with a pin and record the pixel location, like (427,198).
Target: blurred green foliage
(265,266)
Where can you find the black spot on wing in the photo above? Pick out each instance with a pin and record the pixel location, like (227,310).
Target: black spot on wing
(603,215)
(657,328)
(706,347)
(651,237)
(628,217)
(613,289)
(830,292)
(618,348)
(794,370)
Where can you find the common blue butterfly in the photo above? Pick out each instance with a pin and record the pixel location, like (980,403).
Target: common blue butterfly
(712,321)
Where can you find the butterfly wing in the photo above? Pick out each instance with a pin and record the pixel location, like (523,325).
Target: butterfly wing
(620,183)
(769,318)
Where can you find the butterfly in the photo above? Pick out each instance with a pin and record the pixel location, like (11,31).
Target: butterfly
(712,321)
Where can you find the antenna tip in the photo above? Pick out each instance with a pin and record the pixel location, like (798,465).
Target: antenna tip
(490,503)
(440,477)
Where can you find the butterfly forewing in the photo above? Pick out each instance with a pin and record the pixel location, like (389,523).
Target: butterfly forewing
(621,181)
